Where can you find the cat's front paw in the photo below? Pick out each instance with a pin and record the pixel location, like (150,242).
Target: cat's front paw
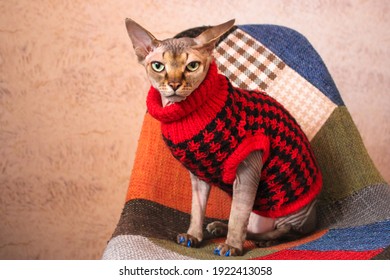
(187,240)
(227,250)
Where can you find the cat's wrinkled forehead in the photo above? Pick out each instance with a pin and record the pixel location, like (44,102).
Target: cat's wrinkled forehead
(177,45)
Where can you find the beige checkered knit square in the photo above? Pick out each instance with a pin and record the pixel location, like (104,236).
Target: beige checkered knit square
(305,102)
(246,62)
(250,65)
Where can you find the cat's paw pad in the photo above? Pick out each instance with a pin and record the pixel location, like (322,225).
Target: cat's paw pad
(217,229)
(187,240)
(227,251)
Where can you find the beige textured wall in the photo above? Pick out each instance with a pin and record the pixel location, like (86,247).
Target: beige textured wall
(72,103)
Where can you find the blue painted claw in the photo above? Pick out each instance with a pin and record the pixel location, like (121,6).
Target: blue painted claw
(226,251)
(187,240)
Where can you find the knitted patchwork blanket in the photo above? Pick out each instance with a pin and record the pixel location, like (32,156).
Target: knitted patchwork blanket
(353,207)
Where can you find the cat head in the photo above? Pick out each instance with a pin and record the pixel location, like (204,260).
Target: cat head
(175,66)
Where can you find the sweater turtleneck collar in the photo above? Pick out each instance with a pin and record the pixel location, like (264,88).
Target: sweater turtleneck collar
(212,90)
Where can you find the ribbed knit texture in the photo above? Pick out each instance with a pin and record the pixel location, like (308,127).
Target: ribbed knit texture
(218,126)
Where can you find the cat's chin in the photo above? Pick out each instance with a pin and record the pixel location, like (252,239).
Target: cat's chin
(168,101)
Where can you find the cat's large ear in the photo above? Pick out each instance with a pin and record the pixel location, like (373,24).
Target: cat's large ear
(207,39)
(143,41)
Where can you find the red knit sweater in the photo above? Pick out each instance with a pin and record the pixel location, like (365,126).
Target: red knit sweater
(218,126)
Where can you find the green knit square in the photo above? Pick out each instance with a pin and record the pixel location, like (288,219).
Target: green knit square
(343,159)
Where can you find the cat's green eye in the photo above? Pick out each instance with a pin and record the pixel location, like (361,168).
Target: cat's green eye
(193,66)
(158,66)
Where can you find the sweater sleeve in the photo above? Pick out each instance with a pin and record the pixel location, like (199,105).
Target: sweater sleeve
(254,143)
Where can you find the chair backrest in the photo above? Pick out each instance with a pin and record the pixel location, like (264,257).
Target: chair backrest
(283,63)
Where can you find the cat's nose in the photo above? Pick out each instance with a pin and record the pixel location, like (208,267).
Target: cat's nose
(174,85)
